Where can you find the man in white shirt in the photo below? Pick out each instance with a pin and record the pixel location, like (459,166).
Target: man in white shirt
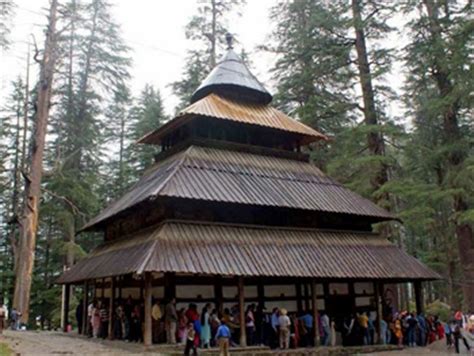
(284,322)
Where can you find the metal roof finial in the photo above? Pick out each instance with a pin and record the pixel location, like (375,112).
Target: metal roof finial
(229,38)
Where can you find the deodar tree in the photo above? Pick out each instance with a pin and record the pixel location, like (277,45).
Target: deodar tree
(30,211)
(439,91)
(207,28)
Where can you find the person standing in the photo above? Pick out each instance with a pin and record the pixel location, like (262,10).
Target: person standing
(205,327)
(457,333)
(307,320)
(15,318)
(79,315)
(95,320)
(284,323)
(275,328)
(250,324)
(326,328)
(190,344)
(171,318)
(2,317)
(90,309)
(104,320)
(223,336)
(155,320)
(411,329)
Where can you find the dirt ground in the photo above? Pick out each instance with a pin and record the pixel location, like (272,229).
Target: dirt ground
(56,343)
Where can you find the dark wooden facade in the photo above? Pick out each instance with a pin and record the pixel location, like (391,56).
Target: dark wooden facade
(232,182)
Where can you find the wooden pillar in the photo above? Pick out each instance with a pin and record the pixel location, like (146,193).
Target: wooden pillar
(306,296)
(147,337)
(378,307)
(243,336)
(260,294)
(85,300)
(299,299)
(218,295)
(418,297)
(315,312)
(67,295)
(111,308)
(352,294)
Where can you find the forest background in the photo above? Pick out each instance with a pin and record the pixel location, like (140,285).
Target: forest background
(390,82)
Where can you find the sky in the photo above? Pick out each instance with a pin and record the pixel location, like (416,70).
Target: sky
(154,29)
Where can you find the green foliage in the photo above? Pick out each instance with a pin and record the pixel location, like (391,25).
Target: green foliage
(439,308)
(207,29)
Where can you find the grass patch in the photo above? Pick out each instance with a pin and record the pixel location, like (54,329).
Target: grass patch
(5,350)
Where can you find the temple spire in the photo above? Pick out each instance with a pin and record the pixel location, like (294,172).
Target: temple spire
(232,79)
(229,39)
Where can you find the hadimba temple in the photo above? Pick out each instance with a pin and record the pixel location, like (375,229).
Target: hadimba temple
(232,212)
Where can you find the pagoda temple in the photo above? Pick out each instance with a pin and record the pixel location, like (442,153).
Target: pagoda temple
(233,212)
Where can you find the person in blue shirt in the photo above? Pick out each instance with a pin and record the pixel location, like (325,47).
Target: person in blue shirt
(307,320)
(223,336)
(275,328)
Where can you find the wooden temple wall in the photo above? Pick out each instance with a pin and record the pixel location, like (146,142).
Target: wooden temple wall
(295,297)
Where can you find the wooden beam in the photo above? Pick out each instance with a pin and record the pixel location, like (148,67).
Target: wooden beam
(418,297)
(243,336)
(67,295)
(85,300)
(315,312)
(147,337)
(378,307)
(111,309)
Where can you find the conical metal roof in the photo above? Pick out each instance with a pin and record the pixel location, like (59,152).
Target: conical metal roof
(231,78)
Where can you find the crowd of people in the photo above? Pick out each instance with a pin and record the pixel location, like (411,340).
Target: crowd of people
(206,327)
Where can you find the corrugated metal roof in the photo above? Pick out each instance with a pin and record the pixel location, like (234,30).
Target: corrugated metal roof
(231,75)
(235,177)
(244,250)
(247,113)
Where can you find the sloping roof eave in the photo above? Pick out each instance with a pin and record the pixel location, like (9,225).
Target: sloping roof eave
(295,253)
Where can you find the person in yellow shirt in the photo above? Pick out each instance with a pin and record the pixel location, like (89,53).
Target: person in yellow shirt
(364,325)
(156,316)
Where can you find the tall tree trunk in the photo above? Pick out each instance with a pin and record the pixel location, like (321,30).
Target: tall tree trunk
(82,95)
(25,110)
(213,34)
(121,154)
(16,181)
(374,139)
(456,157)
(29,218)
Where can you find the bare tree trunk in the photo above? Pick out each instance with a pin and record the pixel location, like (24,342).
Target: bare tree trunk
(456,158)
(29,218)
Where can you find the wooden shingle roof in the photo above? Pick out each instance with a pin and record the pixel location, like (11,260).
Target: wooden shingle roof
(218,175)
(247,250)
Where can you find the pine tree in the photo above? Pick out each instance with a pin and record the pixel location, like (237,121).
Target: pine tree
(319,70)
(439,90)
(208,29)
(145,116)
(11,131)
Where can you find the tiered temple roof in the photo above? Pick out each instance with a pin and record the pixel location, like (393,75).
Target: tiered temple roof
(231,150)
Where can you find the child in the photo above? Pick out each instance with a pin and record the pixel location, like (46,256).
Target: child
(190,345)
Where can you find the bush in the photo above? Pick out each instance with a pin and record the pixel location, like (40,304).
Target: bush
(442,310)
